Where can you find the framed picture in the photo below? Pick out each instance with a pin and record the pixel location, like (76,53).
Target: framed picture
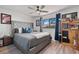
(5,18)
(37,22)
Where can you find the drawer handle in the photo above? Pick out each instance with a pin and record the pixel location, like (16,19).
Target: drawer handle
(65,37)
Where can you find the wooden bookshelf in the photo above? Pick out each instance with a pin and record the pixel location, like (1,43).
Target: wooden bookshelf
(72,28)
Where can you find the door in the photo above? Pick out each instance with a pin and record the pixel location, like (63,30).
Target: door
(57,32)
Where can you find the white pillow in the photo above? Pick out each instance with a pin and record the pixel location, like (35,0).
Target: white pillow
(20,30)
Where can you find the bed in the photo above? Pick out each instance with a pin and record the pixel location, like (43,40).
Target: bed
(31,43)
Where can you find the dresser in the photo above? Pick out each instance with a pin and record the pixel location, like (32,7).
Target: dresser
(6,40)
(1,42)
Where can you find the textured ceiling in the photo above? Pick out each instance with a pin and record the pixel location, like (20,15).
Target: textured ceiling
(26,11)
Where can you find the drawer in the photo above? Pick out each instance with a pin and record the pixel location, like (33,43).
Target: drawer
(1,42)
(7,40)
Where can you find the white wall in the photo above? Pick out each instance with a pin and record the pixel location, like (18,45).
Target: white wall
(5,29)
(51,31)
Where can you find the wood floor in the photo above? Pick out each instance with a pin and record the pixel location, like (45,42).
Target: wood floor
(53,48)
(57,48)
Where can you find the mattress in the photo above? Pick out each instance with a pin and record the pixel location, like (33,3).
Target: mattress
(40,34)
(29,40)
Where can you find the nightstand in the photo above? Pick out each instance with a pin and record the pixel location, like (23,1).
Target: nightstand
(1,42)
(7,40)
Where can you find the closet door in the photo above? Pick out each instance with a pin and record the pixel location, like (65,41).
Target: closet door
(57,27)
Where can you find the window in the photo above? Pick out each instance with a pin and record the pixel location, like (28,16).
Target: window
(52,21)
(46,23)
(72,15)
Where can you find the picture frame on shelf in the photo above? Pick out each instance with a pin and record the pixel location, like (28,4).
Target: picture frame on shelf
(5,18)
(65,26)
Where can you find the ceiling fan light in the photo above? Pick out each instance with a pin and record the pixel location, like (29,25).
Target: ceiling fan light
(38,12)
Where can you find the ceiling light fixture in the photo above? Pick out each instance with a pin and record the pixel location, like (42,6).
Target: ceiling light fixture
(37,11)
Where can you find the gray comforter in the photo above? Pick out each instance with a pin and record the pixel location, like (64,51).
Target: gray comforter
(26,40)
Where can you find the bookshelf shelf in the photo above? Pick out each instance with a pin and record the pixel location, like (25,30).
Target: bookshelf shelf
(70,30)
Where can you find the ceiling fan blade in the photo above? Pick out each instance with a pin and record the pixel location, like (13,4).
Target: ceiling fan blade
(43,11)
(31,12)
(31,8)
(42,6)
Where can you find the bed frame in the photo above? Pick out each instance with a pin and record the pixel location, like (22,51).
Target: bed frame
(36,49)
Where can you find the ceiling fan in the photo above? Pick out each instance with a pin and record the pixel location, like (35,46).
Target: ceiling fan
(38,9)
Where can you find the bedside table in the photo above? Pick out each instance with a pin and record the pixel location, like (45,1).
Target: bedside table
(1,42)
(7,40)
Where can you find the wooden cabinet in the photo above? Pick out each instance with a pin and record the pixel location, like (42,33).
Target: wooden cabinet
(65,37)
(72,36)
(7,40)
(1,42)
(72,27)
